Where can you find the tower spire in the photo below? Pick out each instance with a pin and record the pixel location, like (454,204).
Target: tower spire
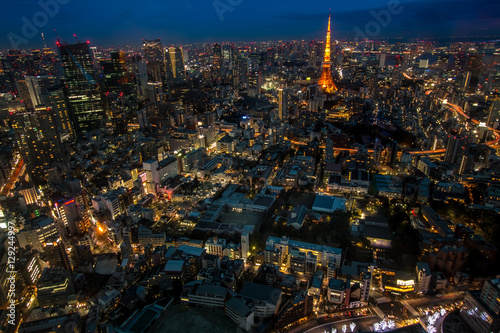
(44,42)
(326,80)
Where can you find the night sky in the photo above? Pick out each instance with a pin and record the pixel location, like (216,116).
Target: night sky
(126,22)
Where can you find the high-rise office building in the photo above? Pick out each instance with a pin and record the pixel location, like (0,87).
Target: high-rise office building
(137,68)
(22,88)
(283,104)
(153,54)
(37,87)
(114,70)
(474,66)
(254,83)
(118,90)
(39,142)
(83,91)
(54,287)
(30,267)
(494,114)
(67,212)
(56,254)
(176,64)
(236,74)
(227,54)
(58,101)
(217,50)
(326,80)
(454,148)
(153,50)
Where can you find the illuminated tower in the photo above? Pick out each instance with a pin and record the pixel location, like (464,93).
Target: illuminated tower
(282,104)
(39,142)
(153,54)
(118,88)
(217,60)
(326,80)
(175,60)
(83,90)
(58,100)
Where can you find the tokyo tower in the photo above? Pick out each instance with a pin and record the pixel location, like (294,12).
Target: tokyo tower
(326,80)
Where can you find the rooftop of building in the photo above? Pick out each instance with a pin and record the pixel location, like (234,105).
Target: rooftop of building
(191,250)
(317,279)
(264,201)
(336,284)
(260,292)
(423,266)
(238,306)
(327,202)
(211,290)
(140,321)
(174,266)
(304,245)
(167,161)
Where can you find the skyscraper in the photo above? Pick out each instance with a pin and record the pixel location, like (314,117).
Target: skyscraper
(55,252)
(67,211)
(283,104)
(217,60)
(39,143)
(326,80)
(118,87)
(58,101)
(494,114)
(37,87)
(254,83)
(474,66)
(176,64)
(83,91)
(153,54)
(23,90)
(137,68)
(153,50)
(454,148)
(114,70)
(236,74)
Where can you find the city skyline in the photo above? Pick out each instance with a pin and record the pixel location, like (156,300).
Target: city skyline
(265,175)
(195,21)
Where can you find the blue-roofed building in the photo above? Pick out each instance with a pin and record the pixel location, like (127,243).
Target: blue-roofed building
(336,291)
(191,250)
(328,204)
(316,284)
(297,216)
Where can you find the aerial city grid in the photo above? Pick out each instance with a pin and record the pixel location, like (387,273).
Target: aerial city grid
(243,166)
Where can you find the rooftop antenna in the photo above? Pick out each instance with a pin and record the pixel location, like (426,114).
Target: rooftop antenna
(76,40)
(44,42)
(58,41)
